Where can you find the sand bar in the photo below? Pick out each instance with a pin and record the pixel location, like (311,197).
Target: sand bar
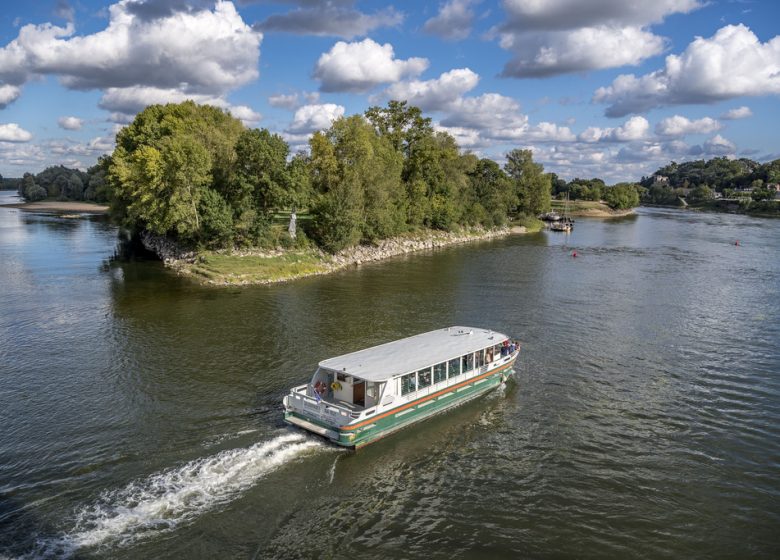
(57,206)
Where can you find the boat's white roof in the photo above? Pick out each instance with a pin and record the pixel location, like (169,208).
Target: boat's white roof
(410,354)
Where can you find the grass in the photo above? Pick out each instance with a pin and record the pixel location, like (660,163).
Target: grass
(531,223)
(225,268)
(559,205)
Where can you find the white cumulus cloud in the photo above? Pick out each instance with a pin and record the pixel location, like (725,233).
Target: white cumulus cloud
(588,48)
(360,66)
(12,132)
(453,22)
(197,52)
(732,63)
(125,102)
(719,146)
(678,125)
(70,123)
(436,94)
(8,94)
(311,118)
(559,36)
(635,128)
(738,113)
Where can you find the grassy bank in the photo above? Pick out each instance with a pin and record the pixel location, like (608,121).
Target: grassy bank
(255,267)
(589,209)
(238,268)
(530,223)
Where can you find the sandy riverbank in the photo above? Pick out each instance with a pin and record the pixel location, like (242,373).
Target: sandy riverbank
(601,213)
(60,207)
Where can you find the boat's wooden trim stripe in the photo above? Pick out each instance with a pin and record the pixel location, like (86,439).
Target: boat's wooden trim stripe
(398,409)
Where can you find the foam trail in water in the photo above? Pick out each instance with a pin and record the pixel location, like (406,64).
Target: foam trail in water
(167,499)
(332,472)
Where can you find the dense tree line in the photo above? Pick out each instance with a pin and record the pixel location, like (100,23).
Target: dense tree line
(698,181)
(195,174)
(63,183)
(618,197)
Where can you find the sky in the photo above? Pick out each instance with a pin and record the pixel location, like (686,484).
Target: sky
(597,88)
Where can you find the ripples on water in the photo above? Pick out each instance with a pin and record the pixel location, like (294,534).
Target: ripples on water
(141,414)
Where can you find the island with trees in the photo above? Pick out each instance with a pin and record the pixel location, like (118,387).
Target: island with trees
(231,204)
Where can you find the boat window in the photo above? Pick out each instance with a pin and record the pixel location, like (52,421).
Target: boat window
(489,355)
(497,351)
(468,362)
(453,367)
(424,378)
(479,358)
(408,383)
(341,376)
(440,372)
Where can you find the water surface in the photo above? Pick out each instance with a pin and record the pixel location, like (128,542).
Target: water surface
(140,414)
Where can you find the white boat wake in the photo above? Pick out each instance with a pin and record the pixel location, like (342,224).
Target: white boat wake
(167,499)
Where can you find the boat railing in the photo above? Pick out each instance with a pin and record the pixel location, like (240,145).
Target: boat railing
(322,408)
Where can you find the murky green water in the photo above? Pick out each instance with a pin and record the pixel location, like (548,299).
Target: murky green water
(140,414)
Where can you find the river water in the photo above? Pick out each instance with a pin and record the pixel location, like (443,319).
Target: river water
(140,414)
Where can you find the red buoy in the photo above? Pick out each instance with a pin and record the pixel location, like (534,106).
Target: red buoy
(574,254)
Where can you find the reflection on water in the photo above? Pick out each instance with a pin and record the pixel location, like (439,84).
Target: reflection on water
(140,413)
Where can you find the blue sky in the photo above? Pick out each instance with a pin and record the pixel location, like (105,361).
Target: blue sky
(604,88)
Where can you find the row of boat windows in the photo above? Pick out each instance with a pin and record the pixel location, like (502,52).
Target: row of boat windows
(417,380)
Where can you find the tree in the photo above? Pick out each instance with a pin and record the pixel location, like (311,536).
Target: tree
(164,185)
(30,190)
(532,186)
(260,166)
(702,193)
(492,192)
(621,196)
(358,176)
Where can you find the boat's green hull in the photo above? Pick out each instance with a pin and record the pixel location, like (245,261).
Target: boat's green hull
(368,431)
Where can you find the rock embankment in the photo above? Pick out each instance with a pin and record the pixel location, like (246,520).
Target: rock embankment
(401,245)
(168,250)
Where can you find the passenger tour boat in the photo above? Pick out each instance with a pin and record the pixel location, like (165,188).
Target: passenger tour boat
(360,397)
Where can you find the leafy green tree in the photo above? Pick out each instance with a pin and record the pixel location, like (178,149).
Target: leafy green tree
(763,194)
(493,193)
(30,190)
(260,171)
(216,228)
(532,185)
(702,193)
(97,189)
(163,185)
(357,174)
(621,196)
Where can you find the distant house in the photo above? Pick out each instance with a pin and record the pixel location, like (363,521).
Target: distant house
(660,180)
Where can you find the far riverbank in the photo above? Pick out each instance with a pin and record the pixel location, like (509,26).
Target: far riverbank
(590,209)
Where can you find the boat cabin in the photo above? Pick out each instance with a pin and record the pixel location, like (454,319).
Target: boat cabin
(356,385)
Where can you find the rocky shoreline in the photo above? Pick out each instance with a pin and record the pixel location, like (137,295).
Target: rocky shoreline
(402,245)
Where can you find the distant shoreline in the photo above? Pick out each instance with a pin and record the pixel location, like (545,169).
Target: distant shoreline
(589,209)
(59,207)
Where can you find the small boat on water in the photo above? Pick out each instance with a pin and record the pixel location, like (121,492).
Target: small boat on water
(563,223)
(360,397)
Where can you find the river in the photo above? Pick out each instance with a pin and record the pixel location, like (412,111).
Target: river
(140,414)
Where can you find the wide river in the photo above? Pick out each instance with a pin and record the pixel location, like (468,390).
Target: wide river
(140,414)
